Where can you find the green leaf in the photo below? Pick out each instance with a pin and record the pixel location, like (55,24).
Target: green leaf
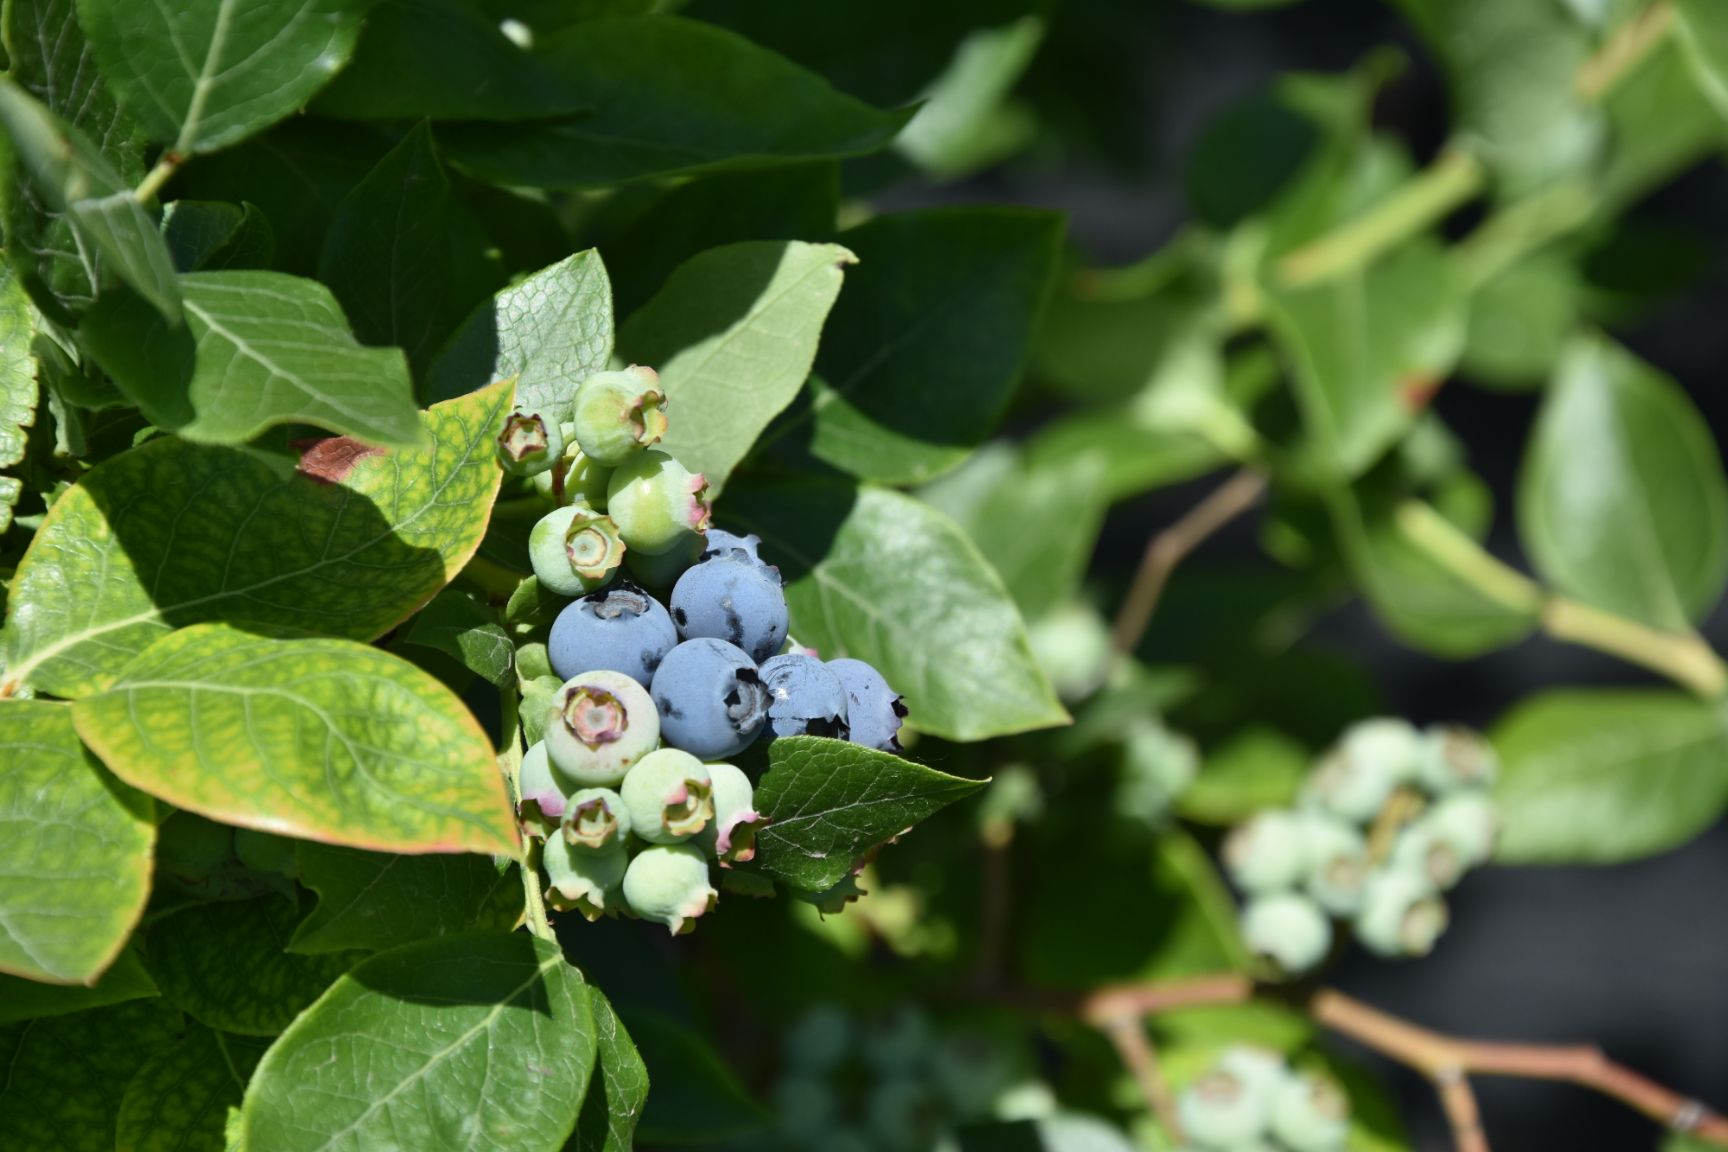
(828,802)
(1245,157)
(374,536)
(214,235)
(697,1097)
(257,350)
(1702,29)
(18,390)
(550,331)
(1600,777)
(1658,127)
(222,963)
(1520,322)
(1367,350)
(180,1098)
(618,1089)
(387,256)
(951,295)
(75,850)
(201,74)
(462,625)
(880,576)
(445,60)
(1622,502)
(456,1043)
(968,120)
(73,177)
(126,979)
(326,740)
(1254,769)
(374,901)
(670,96)
(65,1076)
(733,334)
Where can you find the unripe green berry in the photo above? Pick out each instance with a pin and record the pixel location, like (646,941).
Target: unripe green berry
(530,443)
(1455,757)
(1157,767)
(1371,761)
(659,572)
(1421,852)
(1469,822)
(670,796)
(574,479)
(1288,930)
(1072,645)
(588,882)
(658,503)
(600,724)
(1268,853)
(543,799)
(266,852)
(597,820)
(731,836)
(1261,1069)
(1311,1114)
(668,884)
(1337,864)
(1402,914)
(1221,1110)
(618,414)
(575,550)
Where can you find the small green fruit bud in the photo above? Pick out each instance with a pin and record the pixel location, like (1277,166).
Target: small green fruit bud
(599,725)
(1311,1114)
(1157,767)
(530,443)
(544,801)
(266,852)
(1337,864)
(1288,930)
(731,836)
(1372,760)
(668,884)
(1261,1069)
(1469,823)
(598,819)
(1423,853)
(1402,914)
(588,882)
(618,414)
(657,502)
(1455,757)
(1221,1110)
(1072,645)
(1269,853)
(670,795)
(575,550)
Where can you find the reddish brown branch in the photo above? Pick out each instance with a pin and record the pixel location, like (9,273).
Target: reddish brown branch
(1128,1034)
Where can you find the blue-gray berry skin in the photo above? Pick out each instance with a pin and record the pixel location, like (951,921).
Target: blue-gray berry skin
(873,709)
(712,702)
(806,698)
(619,629)
(720,541)
(730,597)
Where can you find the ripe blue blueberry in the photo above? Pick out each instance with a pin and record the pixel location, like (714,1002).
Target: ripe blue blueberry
(600,723)
(720,541)
(620,629)
(731,597)
(873,709)
(806,698)
(575,550)
(712,702)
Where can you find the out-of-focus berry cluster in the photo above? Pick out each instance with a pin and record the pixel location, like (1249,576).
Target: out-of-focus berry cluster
(1251,1100)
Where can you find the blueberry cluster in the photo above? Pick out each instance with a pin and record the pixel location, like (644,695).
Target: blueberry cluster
(1388,820)
(1251,1100)
(628,786)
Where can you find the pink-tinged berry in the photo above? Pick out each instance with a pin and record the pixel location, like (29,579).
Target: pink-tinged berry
(543,801)
(657,502)
(597,819)
(668,884)
(670,796)
(618,414)
(600,723)
(581,880)
(575,550)
(731,837)
(529,444)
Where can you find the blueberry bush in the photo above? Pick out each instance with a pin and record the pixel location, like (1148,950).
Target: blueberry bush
(548,568)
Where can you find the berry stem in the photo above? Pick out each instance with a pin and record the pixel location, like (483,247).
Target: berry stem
(528,863)
(1135,1047)
(1619,56)
(158,176)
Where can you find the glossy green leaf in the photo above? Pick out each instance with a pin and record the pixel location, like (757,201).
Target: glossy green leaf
(75,850)
(223,964)
(1599,777)
(1702,27)
(179,1099)
(1622,502)
(257,350)
(325,740)
(885,578)
(733,335)
(374,900)
(71,176)
(125,979)
(445,60)
(697,1097)
(201,74)
(212,235)
(67,1075)
(828,802)
(949,295)
(668,95)
(374,536)
(618,1089)
(18,390)
(464,1042)
(387,256)
(463,626)
(550,331)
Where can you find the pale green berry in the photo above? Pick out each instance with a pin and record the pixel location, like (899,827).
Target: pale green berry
(670,796)
(1421,851)
(529,444)
(1269,852)
(1157,767)
(1402,914)
(1221,1110)
(618,414)
(1337,864)
(266,852)
(1372,760)
(600,724)
(1288,930)
(657,503)
(575,550)
(1072,646)
(820,1038)
(668,884)
(544,799)
(1311,1114)
(597,819)
(588,882)
(1469,822)
(731,836)
(1455,757)
(574,479)
(1261,1069)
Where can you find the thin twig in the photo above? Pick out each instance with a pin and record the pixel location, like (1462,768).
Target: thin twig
(1128,1034)
(1458,1101)
(149,187)
(1622,52)
(1171,546)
